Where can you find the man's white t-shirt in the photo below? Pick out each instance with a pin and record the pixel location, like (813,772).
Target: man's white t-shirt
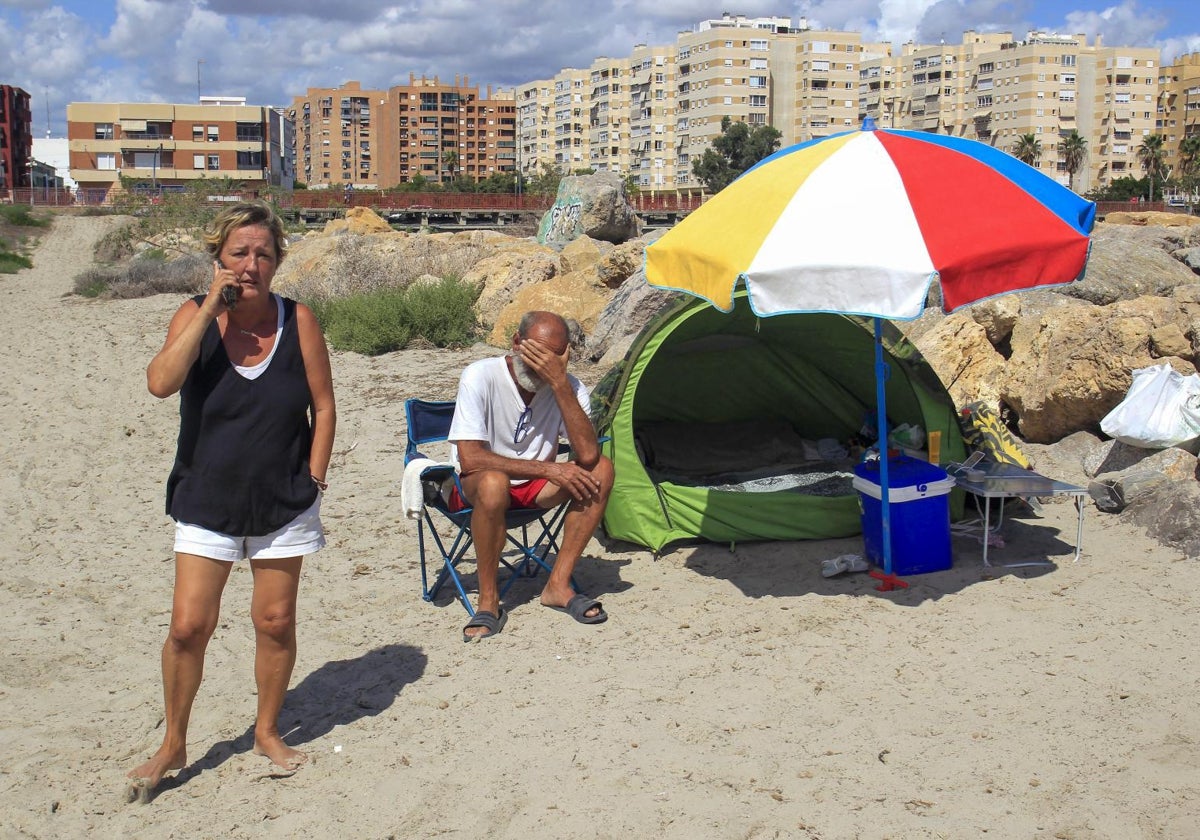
(489,408)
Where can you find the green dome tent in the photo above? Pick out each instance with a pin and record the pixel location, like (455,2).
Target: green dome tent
(732,392)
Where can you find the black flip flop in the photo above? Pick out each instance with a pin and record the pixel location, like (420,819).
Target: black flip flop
(488,621)
(578,606)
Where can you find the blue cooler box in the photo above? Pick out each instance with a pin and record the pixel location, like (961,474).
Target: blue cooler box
(920,507)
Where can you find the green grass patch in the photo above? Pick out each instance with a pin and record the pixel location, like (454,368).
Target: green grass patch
(386,320)
(21,215)
(11,263)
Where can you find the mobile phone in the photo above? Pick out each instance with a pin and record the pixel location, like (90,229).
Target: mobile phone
(229,294)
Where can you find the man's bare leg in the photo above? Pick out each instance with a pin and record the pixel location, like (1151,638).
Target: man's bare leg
(488,493)
(579,524)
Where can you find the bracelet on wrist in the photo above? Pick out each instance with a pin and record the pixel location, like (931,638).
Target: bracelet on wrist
(321,485)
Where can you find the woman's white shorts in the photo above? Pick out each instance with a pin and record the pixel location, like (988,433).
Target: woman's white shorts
(303,535)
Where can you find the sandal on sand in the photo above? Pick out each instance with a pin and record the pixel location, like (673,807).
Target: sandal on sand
(490,622)
(578,608)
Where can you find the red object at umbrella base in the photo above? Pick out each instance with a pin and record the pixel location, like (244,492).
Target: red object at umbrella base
(887,583)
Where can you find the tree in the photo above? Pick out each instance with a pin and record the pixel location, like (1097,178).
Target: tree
(1189,163)
(1151,156)
(1125,188)
(546,181)
(1028,150)
(1074,150)
(737,149)
(450,164)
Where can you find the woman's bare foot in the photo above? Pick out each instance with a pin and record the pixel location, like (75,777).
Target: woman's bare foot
(280,753)
(144,779)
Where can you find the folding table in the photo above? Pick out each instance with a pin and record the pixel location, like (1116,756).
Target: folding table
(989,480)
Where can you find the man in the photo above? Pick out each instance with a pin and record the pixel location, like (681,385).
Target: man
(509,415)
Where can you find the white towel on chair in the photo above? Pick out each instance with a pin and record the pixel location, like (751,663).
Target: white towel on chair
(412,494)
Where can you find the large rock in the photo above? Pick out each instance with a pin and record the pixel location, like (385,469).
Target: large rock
(1067,459)
(582,254)
(1114,491)
(575,296)
(619,264)
(501,276)
(629,310)
(358,220)
(1171,515)
(590,205)
(1155,218)
(959,350)
(1072,362)
(1128,262)
(997,316)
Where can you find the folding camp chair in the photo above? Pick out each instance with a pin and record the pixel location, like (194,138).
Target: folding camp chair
(429,422)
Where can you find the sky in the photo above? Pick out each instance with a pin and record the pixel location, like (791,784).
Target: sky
(270,51)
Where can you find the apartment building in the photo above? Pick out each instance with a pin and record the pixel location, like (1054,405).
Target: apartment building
(336,136)
(534,102)
(164,146)
(1179,106)
(439,131)
(826,91)
(349,137)
(995,89)
(723,69)
(610,84)
(650,116)
(16,139)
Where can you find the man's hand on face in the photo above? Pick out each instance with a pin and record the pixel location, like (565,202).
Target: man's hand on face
(548,365)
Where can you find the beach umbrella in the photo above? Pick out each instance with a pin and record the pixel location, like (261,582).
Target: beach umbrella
(863,223)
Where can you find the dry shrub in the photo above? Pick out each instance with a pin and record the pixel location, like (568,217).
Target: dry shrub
(145,276)
(362,265)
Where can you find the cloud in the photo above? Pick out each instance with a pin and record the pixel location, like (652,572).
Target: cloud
(1126,24)
(323,10)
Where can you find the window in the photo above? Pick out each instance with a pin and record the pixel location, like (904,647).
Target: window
(214,134)
(198,136)
(758,81)
(197,161)
(758,44)
(249,132)
(106,161)
(214,162)
(758,64)
(104,131)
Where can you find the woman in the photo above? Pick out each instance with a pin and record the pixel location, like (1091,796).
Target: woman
(256,430)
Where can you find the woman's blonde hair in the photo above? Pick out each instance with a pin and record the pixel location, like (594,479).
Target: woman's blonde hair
(245,214)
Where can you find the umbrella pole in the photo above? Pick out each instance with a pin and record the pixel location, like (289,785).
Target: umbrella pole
(883,372)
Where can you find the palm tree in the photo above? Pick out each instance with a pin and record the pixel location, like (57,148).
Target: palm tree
(1073,149)
(1029,149)
(1189,162)
(450,162)
(1151,156)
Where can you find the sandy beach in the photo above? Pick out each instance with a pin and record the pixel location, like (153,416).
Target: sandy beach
(732,694)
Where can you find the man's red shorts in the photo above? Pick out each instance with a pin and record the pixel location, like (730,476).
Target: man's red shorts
(521,496)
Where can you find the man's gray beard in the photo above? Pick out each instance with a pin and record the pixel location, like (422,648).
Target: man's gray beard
(525,377)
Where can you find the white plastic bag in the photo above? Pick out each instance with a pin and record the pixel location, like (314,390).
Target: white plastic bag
(1161,409)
